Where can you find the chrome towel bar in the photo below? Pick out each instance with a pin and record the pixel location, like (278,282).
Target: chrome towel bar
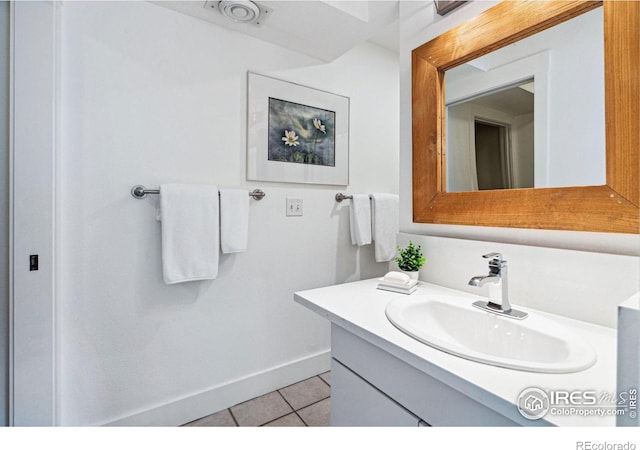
(340,196)
(141,192)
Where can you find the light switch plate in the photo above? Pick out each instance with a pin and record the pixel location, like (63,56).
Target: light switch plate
(294,206)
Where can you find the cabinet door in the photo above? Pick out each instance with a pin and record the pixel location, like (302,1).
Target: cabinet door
(354,402)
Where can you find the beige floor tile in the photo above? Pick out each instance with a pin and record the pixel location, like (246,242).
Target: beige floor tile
(326,377)
(316,415)
(260,410)
(290,420)
(306,392)
(220,419)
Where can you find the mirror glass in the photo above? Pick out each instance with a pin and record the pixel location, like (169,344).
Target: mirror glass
(530,114)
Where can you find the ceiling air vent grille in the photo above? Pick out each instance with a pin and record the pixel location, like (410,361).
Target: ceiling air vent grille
(240,11)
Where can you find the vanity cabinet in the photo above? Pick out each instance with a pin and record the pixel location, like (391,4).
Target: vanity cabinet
(371,387)
(356,403)
(382,376)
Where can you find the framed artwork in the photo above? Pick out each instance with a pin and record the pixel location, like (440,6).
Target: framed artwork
(296,134)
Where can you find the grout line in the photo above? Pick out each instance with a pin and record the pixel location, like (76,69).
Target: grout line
(292,408)
(306,406)
(325,381)
(309,405)
(233,417)
(235,421)
(288,414)
(285,400)
(279,417)
(314,403)
(301,419)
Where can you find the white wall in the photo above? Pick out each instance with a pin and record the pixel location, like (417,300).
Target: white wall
(575,157)
(151,96)
(523,144)
(462,172)
(581,285)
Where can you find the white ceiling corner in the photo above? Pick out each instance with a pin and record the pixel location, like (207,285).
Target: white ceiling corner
(321,29)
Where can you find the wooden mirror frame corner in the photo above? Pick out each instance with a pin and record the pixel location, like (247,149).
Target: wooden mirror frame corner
(612,207)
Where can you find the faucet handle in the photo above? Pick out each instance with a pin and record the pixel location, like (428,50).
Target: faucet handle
(496,259)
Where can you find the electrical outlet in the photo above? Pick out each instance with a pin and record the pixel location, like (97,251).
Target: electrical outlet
(294,207)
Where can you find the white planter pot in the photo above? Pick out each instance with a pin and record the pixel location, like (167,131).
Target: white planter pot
(412,275)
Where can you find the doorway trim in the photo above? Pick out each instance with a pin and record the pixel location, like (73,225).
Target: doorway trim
(34,51)
(506,168)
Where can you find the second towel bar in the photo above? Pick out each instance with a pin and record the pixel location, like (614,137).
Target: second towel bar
(141,192)
(340,196)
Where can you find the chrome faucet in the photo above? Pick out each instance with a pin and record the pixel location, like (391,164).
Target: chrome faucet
(498,288)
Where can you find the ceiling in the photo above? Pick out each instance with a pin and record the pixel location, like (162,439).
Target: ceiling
(321,29)
(514,101)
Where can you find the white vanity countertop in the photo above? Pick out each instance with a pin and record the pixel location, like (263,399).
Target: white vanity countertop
(359,308)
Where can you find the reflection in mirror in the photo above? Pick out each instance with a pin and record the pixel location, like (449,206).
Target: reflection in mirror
(492,136)
(500,135)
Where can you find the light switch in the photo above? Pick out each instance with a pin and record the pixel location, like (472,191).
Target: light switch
(294,206)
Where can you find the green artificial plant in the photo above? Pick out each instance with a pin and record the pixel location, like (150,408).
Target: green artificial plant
(411,258)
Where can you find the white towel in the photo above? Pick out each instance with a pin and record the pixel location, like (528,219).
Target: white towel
(384,211)
(360,219)
(234,220)
(190,232)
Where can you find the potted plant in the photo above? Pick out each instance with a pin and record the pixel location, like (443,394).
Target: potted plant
(410,260)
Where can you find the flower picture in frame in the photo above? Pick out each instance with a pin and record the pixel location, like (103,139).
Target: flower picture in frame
(301,134)
(296,134)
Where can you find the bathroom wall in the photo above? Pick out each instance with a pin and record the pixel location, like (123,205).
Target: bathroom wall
(599,277)
(581,285)
(4,213)
(151,96)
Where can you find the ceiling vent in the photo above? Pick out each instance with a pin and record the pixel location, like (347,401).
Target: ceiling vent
(240,11)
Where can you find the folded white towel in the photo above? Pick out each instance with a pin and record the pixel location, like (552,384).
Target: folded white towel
(399,286)
(398,290)
(360,219)
(234,220)
(384,211)
(190,232)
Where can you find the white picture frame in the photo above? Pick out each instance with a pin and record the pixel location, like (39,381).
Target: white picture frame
(296,134)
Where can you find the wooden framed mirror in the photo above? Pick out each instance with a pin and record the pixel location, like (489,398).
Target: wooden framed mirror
(612,207)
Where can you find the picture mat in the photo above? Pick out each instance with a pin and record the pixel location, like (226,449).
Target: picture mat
(258,165)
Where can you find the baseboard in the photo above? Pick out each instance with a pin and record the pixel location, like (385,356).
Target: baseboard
(217,398)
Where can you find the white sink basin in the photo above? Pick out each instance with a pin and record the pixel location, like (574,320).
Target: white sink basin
(451,324)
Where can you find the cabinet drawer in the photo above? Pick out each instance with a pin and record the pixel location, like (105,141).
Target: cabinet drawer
(422,395)
(356,403)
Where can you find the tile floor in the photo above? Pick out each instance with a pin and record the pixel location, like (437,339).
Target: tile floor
(303,404)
